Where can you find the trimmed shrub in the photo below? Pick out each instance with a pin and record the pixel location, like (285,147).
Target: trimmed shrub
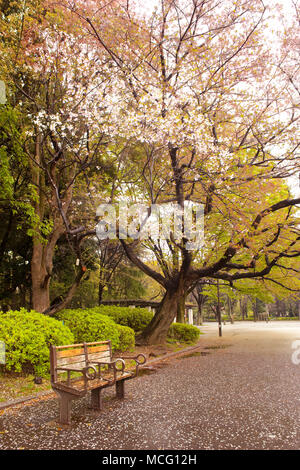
(126,338)
(87,325)
(135,318)
(184,333)
(284,318)
(27,337)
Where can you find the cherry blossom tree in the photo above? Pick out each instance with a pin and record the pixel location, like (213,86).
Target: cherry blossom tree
(215,110)
(59,81)
(212,109)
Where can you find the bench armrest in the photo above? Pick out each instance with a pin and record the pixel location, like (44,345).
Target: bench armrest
(140,359)
(112,364)
(84,371)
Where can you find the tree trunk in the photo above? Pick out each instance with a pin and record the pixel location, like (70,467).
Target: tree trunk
(40,277)
(41,270)
(255,310)
(230,310)
(43,252)
(244,307)
(156,332)
(199,314)
(42,266)
(200,299)
(181,309)
(278,313)
(68,296)
(100,292)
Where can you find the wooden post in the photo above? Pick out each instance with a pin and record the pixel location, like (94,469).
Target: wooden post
(190,315)
(65,403)
(120,389)
(267,313)
(96,399)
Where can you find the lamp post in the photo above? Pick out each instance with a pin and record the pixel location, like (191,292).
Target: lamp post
(218,309)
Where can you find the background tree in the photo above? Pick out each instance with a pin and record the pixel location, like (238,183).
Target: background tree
(200,297)
(59,107)
(16,212)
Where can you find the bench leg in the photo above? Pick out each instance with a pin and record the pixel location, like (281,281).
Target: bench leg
(65,402)
(120,389)
(96,399)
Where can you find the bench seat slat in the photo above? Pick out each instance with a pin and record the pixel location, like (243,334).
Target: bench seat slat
(79,384)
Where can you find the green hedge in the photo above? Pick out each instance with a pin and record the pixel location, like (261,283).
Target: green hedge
(126,338)
(104,322)
(284,318)
(87,325)
(135,318)
(183,332)
(27,337)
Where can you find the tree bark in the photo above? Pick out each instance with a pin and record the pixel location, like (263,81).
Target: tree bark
(68,296)
(41,269)
(181,309)
(200,299)
(100,292)
(255,310)
(43,251)
(156,332)
(40,279)
(244,307)
(199,314)
(230,310)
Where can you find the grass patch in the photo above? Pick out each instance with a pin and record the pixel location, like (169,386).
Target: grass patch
(13,386)
(178,345)
(17,385)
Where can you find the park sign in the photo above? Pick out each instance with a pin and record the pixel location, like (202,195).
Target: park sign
(2,92)
(2,352)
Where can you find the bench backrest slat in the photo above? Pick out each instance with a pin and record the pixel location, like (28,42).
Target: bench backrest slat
(77,355)
(79,362)
(100,356)
(70,352)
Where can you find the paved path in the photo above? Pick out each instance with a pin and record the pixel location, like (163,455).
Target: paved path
(243,395)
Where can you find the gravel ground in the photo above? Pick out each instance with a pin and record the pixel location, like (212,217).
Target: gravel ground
(242,394)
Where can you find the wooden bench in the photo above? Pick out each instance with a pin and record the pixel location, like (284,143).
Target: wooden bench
(78,368)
